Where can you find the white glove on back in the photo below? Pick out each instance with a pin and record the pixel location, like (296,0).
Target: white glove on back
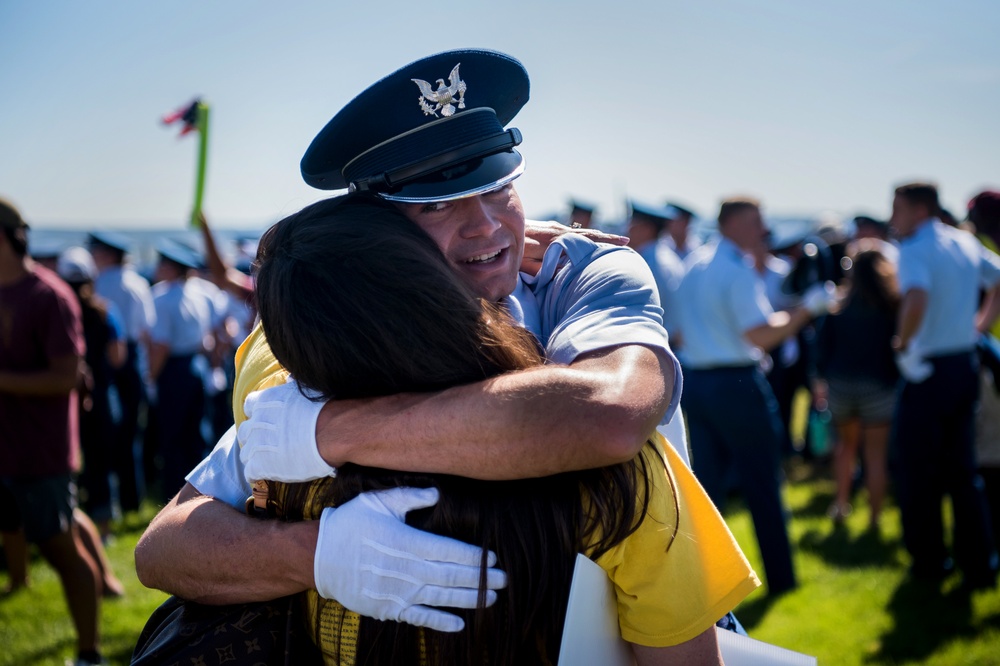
(373,563)
(278,439)
(913,366)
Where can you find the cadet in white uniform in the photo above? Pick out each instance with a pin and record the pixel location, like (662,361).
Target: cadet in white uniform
(120,284)
(727,323)
(941,271)
(185,318)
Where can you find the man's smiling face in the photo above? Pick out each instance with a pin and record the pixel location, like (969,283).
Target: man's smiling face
(481,236)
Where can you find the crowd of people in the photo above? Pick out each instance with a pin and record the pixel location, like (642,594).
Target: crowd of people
(883,323)
(113,388)
(434,340)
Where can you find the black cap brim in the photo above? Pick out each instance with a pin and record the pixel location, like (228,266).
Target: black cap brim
(464,180)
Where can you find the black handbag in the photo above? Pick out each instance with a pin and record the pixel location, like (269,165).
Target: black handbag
(263,632)
(259,633)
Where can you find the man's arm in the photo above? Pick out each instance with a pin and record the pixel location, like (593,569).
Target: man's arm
(249,559)
(911,314)
(58,379)
(989,311)
(597,411)
(778,327)
(702,650)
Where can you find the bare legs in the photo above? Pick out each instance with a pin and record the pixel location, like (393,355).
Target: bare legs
(875,437)
(81,582)
(91,539)
(845,455)
(15,547)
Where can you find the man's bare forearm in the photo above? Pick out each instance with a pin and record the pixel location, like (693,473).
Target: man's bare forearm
(596,412)
(989,310)
(204,550)
(911,314)
(59,379)
(779,327)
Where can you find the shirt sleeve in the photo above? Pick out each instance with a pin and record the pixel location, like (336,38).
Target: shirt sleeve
(147,311)
(607,299)
(682,570)
(748,301)
(160,331)
(220,475)
(914,273)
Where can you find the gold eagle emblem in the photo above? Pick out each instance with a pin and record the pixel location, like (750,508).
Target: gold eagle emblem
(444,98)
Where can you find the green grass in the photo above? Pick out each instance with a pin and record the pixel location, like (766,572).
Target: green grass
(35,626)
(854,604)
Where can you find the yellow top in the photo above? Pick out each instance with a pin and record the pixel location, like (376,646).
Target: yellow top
(668,591)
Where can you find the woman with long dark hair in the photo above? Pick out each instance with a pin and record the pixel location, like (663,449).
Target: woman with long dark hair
(356,301)
(857,374)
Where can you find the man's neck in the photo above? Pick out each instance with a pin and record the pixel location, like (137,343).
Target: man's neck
(915,229)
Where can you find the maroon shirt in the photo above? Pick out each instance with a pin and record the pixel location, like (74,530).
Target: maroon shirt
(39,321)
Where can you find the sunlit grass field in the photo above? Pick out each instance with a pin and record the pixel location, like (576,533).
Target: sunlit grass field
(854,604)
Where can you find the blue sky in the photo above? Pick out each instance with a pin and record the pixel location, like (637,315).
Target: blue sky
(809,106)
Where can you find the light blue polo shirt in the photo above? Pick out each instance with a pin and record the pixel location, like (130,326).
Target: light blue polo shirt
(720,297)
(951,266)
(589,296)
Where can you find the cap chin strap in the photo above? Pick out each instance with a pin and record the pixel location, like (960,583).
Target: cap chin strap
(388,180)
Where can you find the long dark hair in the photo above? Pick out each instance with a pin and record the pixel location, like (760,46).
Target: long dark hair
(872,277)
(357,301)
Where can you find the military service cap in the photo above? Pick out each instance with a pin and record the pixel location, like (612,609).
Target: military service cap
(409,140)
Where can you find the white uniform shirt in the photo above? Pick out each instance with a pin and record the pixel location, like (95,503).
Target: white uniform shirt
(186,312)
(951,266)
(720,297)
(131,293)
(668,269)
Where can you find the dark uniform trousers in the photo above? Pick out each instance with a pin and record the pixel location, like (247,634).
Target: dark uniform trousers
(933,443)
(132,395)
(181,393)
(733,422)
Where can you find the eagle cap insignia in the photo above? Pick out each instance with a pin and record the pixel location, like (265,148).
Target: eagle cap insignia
(444,98)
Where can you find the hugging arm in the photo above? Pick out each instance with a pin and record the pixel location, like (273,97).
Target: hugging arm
(702,650)
(597,411)
(202,549)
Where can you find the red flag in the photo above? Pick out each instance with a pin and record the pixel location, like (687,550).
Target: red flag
(188,114)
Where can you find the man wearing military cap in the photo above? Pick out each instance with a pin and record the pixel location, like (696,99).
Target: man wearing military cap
(120,284)
(185,319)
(581,215)
(440,151)
(645,231)
(678,237)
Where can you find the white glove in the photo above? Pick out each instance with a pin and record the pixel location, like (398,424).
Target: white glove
(819,298)
(912,365)
(373,563)
(278,439)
